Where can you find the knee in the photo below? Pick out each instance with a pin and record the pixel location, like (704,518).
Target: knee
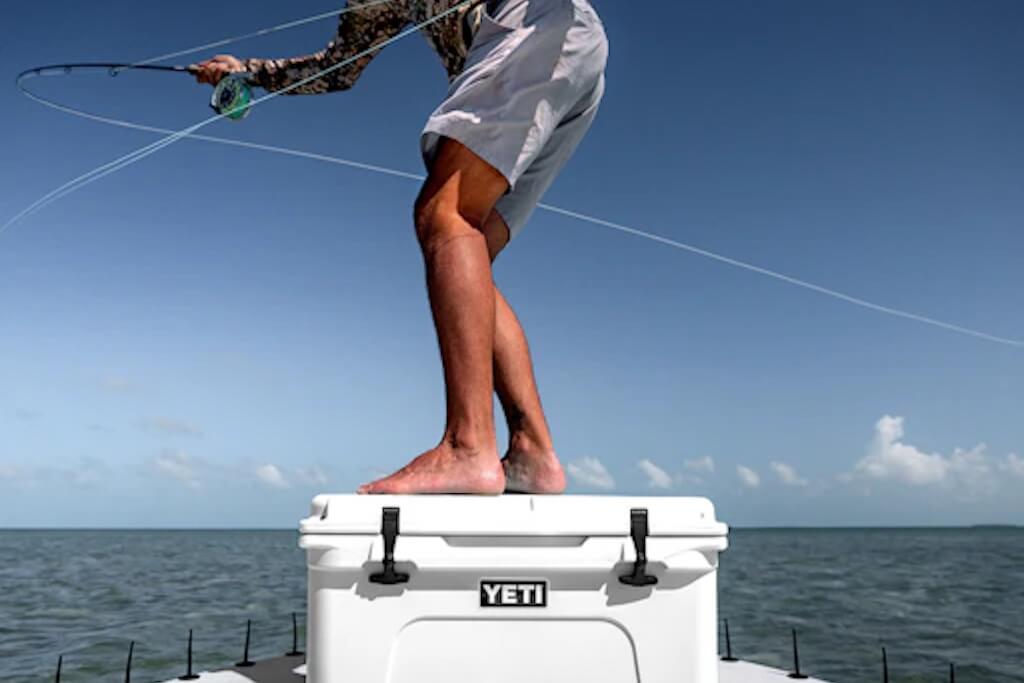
(436,222)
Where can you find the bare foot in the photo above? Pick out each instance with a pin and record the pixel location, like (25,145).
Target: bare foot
(444,469)
(534,472)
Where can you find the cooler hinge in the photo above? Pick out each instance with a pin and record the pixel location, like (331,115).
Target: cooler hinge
(389,530)
(638,531)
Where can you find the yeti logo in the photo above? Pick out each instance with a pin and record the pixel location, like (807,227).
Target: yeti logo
(513,593)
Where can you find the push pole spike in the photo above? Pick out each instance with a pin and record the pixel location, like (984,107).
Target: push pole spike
(796,661)
(128,666)
(189,676)
(245,655)
(60,665)
(885,666)
(952,673)
(728,645)
(296,652)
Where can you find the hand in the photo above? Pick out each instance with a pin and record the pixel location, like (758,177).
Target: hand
(213,70)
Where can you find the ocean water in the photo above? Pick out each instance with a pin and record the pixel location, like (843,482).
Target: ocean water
(929,596)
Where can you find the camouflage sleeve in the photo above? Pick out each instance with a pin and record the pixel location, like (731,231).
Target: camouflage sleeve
(359,29)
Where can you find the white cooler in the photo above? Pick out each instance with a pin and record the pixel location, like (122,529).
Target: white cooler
(512,589)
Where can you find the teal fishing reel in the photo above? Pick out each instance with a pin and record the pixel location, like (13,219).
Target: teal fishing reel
(232,98)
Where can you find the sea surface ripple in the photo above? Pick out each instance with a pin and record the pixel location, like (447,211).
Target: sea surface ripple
(930,596)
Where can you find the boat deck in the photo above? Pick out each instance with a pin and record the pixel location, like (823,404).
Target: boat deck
(285,670)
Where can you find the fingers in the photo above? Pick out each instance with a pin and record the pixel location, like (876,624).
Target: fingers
(213,70)
(202,71)
(209,72)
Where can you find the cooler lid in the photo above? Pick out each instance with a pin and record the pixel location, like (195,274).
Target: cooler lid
(513,515)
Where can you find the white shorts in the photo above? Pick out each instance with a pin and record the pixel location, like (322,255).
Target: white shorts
(530,89)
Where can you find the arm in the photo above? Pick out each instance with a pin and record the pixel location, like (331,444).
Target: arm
(358,30)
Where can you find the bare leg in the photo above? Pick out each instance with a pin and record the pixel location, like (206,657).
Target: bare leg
(531,465)
(455,201)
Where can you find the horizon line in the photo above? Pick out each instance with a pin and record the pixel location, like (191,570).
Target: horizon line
(732,527)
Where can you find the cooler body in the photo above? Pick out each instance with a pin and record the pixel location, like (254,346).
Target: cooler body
(512,589)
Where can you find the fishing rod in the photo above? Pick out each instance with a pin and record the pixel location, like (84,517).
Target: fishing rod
(113,67)
(137,155)
(231,98)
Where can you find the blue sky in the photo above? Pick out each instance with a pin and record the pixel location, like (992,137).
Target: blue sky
(214,335)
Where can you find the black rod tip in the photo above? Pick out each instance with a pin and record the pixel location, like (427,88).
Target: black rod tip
(128,666)
(796,673)
(952,673)
(295,651)
(728,645)
(189,676)
(60,665)
(245,653)
(885,666)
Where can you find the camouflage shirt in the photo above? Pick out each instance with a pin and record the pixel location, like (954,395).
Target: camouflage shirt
(368,23)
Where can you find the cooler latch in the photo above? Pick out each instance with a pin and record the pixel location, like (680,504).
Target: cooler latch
(638,531)
(389,530)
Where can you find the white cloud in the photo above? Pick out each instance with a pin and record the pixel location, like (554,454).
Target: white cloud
(271,476)
(177,465)
(889,458)
(749,477)
(657,478)
(787,474)
(166,425)
(1014,464)
(705,464)
(8,471)
(970,472)
(590,472)
(312,475)
(972,469)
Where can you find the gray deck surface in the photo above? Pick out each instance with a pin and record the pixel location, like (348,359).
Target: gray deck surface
(291,670)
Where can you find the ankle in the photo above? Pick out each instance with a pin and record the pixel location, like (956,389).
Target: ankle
(471,441)
(529,442)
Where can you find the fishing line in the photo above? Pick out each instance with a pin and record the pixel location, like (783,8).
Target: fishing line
(287,151)
(148,64)
(254,34)
(326,158)
(148,150)
(864,303)
(720,258)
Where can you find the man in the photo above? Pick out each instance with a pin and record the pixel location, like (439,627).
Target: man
(526,77)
